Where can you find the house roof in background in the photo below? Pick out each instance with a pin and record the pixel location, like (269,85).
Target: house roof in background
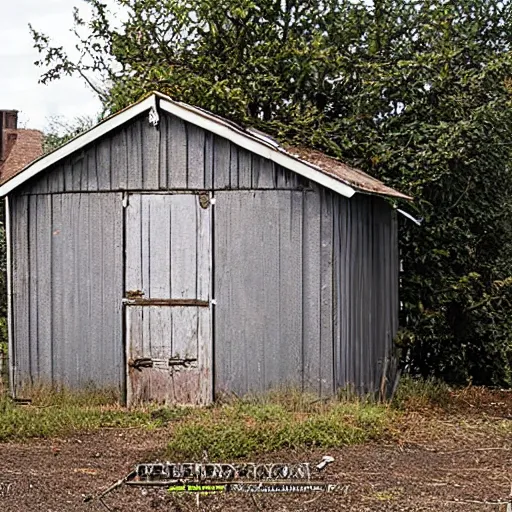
(27,147)
(311,164)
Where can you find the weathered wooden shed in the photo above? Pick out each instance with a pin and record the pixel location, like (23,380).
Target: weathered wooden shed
(173,255)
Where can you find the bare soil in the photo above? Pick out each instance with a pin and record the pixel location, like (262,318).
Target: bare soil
(456,460)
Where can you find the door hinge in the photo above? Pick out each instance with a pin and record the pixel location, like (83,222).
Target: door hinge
(125,199)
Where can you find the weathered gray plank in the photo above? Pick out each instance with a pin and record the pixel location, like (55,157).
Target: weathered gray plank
(263,174)
(133,237)
(103,163)
(326,295)
(118,160)
(20,289)
(164,152)
(311,288)
(150,155)
(208,160)
(145,222)
(39,185)
(76,172)
(112,320)
(267,209)
(244,169)
(56,179)
(68,351)
(33,287)
(57,275)
(84,291)
(204,262)
(68,175)
(221,163)
(43,307)
(158,239)
(184,216)
(233,166)
(290,288)
(196,157)
(134,155)
(177,157)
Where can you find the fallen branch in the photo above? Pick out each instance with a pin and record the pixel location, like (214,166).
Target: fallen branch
(112,487)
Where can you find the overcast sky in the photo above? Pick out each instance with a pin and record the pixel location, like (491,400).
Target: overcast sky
(19,87)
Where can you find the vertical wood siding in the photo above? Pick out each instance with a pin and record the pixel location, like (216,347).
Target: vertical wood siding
(306,281)
(366,293)
(173,156)
(306,288)
(67,289)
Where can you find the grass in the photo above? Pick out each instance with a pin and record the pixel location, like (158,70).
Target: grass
(417,394)
(237,428)
(62,413)
(243,428)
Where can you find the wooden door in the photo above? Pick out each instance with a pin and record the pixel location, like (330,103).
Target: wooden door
(167,299)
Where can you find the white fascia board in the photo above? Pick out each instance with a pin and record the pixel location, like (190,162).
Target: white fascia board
(255,145)
(78,143)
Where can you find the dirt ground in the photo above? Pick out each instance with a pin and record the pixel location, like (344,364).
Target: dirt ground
(446,461)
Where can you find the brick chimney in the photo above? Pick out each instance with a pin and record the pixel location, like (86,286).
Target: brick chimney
(8,127)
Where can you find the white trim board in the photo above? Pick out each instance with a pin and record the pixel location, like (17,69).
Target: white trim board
(249,140)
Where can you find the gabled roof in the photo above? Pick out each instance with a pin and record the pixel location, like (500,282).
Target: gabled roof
(27,146)
(311,164)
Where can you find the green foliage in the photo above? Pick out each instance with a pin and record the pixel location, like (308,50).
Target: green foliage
(60,131)
(417,93)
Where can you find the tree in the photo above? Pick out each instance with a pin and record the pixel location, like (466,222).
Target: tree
(417,93)
(59,130)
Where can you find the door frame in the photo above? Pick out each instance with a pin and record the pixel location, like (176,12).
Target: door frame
(126,302)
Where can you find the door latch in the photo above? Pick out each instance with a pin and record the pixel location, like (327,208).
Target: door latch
(176,361)
(143,362)
(173,362)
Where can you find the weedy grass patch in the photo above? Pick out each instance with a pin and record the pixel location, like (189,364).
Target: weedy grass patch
(55,413)
(417,394)
(275,422)
(234,428)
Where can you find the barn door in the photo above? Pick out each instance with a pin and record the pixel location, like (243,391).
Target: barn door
(167,299)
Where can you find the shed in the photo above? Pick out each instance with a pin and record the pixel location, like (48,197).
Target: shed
(174,256)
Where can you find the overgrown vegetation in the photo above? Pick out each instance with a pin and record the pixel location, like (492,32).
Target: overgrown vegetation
(225,430)
(417,93)
(62,413)
(283,420)
(243,428)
